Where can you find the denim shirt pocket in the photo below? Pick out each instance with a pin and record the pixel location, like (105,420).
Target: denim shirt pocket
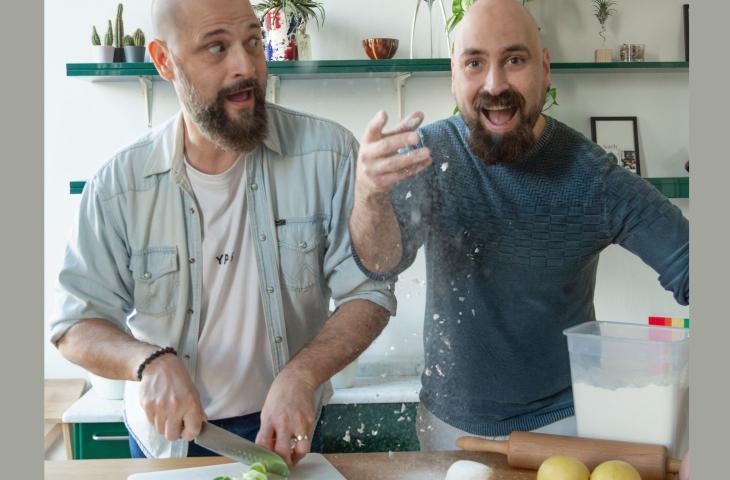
(301,245)
(156,273)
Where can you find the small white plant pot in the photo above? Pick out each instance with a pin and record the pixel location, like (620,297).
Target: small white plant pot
(107,388)
(345,378)
(103,53)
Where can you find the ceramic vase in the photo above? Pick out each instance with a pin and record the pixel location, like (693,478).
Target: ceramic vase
(280,36)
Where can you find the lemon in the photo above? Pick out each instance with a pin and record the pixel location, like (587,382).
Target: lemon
(615,470)
(563,467)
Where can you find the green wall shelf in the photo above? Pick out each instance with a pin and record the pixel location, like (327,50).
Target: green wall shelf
(671,187)
(358,67)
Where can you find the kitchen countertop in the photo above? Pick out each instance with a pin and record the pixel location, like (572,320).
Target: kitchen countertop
(91,408)
(353,466)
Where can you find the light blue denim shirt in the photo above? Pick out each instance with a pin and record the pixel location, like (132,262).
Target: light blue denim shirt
(134,255)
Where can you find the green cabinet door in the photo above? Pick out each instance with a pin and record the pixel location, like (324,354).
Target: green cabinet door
(100,440)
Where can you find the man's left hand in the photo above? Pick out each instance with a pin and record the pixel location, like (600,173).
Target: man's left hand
(288,415)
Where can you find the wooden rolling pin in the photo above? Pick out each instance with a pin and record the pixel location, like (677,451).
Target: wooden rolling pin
(529,450)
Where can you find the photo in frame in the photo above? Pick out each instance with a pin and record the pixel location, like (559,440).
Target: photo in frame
(619,136)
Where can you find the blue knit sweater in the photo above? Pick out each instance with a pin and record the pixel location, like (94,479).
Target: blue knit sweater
(511,257)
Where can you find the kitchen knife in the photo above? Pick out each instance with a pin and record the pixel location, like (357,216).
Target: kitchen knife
(230,445)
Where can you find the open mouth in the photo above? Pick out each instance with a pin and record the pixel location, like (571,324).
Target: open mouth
(500,117)
(241,97)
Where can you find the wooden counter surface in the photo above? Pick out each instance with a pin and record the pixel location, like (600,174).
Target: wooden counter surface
(354,466)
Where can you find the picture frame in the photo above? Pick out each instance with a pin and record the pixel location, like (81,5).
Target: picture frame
(685,15)
(619,136)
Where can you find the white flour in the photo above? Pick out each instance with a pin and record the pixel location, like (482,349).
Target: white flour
(649,414)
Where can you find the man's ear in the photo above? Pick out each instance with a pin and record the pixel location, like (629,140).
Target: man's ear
(160,56)
(546,65)
(453,72)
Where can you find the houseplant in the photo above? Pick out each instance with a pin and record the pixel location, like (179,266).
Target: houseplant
(119,35)
(134,46)
(102,53)
(458,10)
(602,9)
(282,20)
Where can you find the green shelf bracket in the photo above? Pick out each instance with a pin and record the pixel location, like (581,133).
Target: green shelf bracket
(273,87)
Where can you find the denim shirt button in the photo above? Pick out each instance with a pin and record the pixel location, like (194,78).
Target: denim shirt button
(191,260)
(254,187)
(262,237)
(302,245)
(270,289)
(278,339)
(147,275)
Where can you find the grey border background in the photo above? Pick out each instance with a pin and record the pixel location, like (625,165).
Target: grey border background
(21,34)
(709,231)
(21,144)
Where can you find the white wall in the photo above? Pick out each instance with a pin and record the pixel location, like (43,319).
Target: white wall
(85,122)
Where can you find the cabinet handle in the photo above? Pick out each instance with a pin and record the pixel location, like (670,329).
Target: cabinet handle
(100,438)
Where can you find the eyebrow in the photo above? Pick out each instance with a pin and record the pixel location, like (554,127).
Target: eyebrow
(223,31)
(518,47)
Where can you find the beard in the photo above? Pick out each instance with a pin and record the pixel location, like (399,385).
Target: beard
(505,148)
(239,134)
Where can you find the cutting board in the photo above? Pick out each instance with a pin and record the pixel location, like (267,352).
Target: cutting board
(313,467)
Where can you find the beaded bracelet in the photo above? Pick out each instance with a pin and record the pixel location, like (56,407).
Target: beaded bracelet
(152,356)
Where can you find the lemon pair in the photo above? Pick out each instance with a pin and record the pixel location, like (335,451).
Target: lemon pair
(563,467)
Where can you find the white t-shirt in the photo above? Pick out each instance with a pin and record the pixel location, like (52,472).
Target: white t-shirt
(235,366)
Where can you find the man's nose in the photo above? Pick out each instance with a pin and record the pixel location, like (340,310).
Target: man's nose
(242,63)
(495,82)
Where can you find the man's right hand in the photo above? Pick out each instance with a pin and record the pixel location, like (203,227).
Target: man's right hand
(170,399)
(379,165)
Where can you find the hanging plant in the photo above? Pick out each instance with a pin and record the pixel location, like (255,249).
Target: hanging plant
(602,9)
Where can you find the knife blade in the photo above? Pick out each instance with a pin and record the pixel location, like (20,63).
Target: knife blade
(230,445)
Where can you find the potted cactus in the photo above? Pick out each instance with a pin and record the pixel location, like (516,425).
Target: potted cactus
(119,35)
(102,53)
(134,46)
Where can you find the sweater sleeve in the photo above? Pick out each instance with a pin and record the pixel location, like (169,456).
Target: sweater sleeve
(646,223)
(411,200)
